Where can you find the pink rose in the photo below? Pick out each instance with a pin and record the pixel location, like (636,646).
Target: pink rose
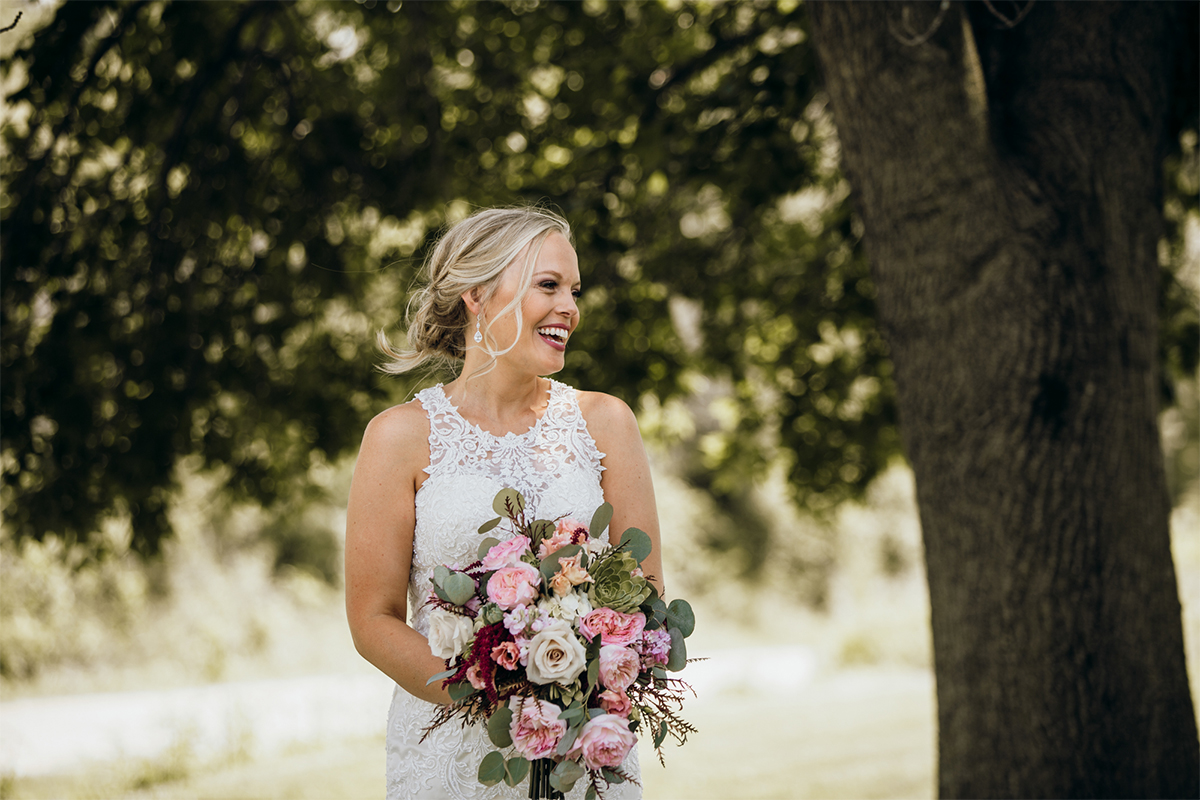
(507,655)
(614,627)
(506,554)
(604,741)
(566,531)
(535,727)
(514,586)
(615,703)
(618,667)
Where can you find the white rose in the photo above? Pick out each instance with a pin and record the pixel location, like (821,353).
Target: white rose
(449,633)
(555,655)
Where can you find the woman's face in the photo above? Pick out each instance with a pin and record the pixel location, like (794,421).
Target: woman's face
(549,311)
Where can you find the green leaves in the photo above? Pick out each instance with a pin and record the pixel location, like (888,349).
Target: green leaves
(489,542)
(509,503)
(637,542)
(453,587)
(494,768)
(678,657)
(600,519)
(499,727)
(660,734)
(565,775)
(680,617)
(441,676)
(461,690)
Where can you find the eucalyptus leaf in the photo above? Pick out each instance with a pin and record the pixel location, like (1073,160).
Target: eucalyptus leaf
(572,712)
(487,544)
(440,573)
(516,768)
(491,769)
(441,676)
(590,794)
(459,588)
(489,525)
(458,691)
(509,503)
(600,520)
(593,674)
(678,658)
(568,739)
(637,543)
(499,727)
(681,616)
(566,774)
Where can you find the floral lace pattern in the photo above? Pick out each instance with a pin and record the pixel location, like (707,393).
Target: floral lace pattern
(556,466)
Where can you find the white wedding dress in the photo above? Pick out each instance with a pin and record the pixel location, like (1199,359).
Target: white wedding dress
(556,466)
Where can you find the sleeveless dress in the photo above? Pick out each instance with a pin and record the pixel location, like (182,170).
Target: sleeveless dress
(556,466)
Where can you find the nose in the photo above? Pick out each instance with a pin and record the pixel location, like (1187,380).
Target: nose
(569,307)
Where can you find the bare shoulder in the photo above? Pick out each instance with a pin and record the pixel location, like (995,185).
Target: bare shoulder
(401,433)
(604,409)
(609,419)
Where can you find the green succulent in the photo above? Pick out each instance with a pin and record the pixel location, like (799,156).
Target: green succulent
(614,587)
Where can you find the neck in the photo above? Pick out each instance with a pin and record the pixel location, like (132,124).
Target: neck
(501,397)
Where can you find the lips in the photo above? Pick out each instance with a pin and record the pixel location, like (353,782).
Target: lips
(554,336)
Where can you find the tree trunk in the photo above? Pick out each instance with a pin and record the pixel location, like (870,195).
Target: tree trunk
(1010,183)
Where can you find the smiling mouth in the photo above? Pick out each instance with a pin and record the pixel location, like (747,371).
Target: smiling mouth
(555,336)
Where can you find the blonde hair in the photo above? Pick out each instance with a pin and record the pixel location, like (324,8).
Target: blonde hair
(472,254)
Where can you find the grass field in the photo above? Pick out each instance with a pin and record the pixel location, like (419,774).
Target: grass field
(858,733)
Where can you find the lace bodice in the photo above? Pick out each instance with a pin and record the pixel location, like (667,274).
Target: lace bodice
(556,466)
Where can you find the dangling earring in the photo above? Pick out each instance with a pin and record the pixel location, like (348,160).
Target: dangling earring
(478,335)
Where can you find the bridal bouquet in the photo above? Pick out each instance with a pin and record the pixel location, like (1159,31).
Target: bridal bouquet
(556,641)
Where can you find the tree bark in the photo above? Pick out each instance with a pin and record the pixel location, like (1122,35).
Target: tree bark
(1010,182)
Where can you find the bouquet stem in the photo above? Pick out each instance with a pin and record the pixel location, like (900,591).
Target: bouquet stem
(539,780)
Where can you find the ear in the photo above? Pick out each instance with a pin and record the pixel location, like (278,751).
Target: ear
(471,300)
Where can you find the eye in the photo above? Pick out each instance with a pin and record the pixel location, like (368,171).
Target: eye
(577,293)
(550,285)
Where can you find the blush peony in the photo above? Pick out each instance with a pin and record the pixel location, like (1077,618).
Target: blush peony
(618,667)
(615,703)
(449,632)
(614,627)
(513,586)
(556,655)
(535,727)
(506,554)
(604,741)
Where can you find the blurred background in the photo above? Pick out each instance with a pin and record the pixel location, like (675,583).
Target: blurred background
(210,209)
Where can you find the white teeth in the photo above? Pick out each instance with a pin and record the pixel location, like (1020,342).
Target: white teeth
(555,333)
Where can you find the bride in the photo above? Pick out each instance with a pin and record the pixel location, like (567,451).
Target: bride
(501,298)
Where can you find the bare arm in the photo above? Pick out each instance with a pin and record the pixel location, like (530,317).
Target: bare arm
(626,478)
(379,538)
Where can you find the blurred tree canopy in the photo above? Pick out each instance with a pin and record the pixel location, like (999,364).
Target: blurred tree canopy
(210,208)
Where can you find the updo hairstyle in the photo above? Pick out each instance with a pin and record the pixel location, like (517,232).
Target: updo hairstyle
(472,254)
